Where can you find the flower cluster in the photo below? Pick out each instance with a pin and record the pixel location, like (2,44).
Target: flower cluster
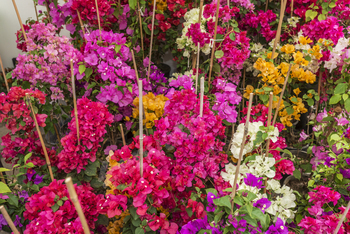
(47,59)
(153,108)
(51,211)
(23,137)
(92,118)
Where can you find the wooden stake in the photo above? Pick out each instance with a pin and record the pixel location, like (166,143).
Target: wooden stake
(82,26)
(213,49)
(281,96)
(8,220)
(201,98)
(74,100)
(197,73)
(241,150)
(342,218)
(269,122)
(278,33)
(98,19)
(135,66)
(151,43)
(74,198)
(267,4)
(4,75)
(243,83)
(36,11)
(48,11)
(141,30)
(122,133)
(40,137)
(194,60)
(20,21)
(291,6)
(141,126)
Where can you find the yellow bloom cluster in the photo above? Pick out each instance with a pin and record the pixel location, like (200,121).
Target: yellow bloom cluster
(161,4)
(153,108)
(116,227)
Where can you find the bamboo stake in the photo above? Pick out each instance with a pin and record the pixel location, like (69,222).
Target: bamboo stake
(20,21)
(281,96)
(48,11)
(201,98)
(135,67)
(8,220)
(2,178)
(98,19)
(74,198)
(241,150)
(342,218)
(213,49)
(141,30)
(141,127)
(267,4)
(40,137)
(36,11)
(194,59)
(268,141)
(291,11)
(122,133)
(4,75)
(197,73)
(82,26)
(151,43)
(74,100)
(243,83)
(278,33)
(200,11)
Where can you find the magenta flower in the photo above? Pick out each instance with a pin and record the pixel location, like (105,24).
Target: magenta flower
(262,204)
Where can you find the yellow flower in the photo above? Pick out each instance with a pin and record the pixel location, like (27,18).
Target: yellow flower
(310,95)
(276,90)
(315,51)
(296,91)
(304,40)
(288,49)
(161,4)
(127,118)
(269,55)
(284,68)
(309,77)
(298,57)
(275,103)
(248,90)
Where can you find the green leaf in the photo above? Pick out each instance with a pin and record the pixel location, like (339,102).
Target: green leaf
(290,110)
(218,217)
(93,84)
(212,190)
(82,69)
(219,54)
(227,123)
(4,188)
(189,211)
(91,169)
(310,183)
(64,198)
(251,196)
(2,169)
(310,102)
(60,202)
(264,97)
(132,4)
(223,201)
(321,17)
(341,88)
(139,230)
(238,200)
(345,96)
(347,105)
(88,72)
(219,36)
(294,99)
(299,218)
(216,68)
(133,213)
(232,36)
(55,207)
(13,199)
(340,177)
(332,5)
(335,99)
(297,174)
(27,157)
(117,48)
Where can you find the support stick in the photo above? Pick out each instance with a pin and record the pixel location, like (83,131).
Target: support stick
(135,67)
(74,100)
(342,218)
(201,98)
(291,5)
(81,25)
(98,19)
(141,30)
(151,43)
(267,4)
(281,96)
(36,11)
(74,198)
(241,150)
(197,73)
(122,133)
(48,11)
(8,220)
(278,33)
(200,11)
(40,137)
(4,75)
(20,21)
(213,49)
(268,141)
(199,21)
(243,83)
(2,178)
(141,127)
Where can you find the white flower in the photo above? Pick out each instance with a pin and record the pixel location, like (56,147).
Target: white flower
(256,47)
(292,21)
(261,166)
(186,54)
(229,175)
(273,185)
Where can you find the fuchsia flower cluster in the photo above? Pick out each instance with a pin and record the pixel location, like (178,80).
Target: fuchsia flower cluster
(23,137)
(283,166)
(39,209)
(324,222)
(93,118)
(197,150)
(47,59)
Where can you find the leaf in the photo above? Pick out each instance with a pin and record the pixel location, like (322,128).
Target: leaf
(13,199)
(345,96)
(290,110)
(117,48)
(340,177)
(294,99)
(264,97)
(82,69)
(310,183)
(27,157)
(60,202)
(211,190)
(347,105)
(88,72)
(341,88)
(93,84)
(335,99)
(218,217)
(132,4)
(332,5)
(219,54)
(139,230)
(251,196)
(232,36)
(4,188)
(2,169)
(189,212)
(321,17)
(216,68)
(310,102)
(219,36)
(299,218)
(238,200)
(133,213)
(55,207)
(297,174)
(223,201)
(91,169)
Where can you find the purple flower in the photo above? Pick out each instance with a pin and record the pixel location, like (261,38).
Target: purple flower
(211,206)
(23,194)
(110,147)
(2,196)
(38,179)
(91,59)
(239,225)
(2,221)
(328,161)
(322,115)
(262,204)
(347,161)
(253,181)
(342,121)
(17,221)
(30,174)
(345,173)
(303,136)
(279,228)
